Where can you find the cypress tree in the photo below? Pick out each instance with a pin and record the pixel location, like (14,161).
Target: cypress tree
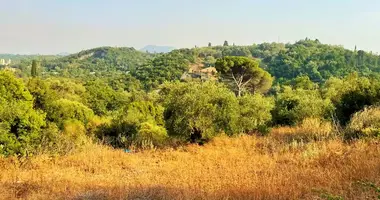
(34,68)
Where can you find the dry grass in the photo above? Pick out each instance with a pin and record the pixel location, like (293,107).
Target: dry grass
(227,168)
(310,129)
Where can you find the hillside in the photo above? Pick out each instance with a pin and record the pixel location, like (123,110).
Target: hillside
(102,59)
(285,62)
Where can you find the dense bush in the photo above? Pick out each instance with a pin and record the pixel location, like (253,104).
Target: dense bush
(255,112)
(101,98)
(140,123)
(365,123)
(293,106)
(150,135)
(199,110)
(352,94)
(20,124)
(61,110)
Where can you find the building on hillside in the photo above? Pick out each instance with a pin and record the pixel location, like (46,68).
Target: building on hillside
(2,61)
(203,74)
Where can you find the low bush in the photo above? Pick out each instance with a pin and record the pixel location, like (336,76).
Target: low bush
(254,112)
(365,123)
(293,106)
(150,135)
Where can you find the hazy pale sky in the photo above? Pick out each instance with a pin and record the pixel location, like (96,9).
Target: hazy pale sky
(54,26)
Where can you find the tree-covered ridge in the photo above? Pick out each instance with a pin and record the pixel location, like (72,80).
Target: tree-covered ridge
(320,61)
(98,60)
(305,57)
(284,62)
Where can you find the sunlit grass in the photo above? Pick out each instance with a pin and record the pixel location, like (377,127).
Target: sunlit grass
(245,167)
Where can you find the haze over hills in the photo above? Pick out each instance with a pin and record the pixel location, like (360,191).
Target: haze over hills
(157,49)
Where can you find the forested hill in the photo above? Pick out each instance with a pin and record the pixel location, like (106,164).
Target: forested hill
(283,61)
(102,59)
(305,57)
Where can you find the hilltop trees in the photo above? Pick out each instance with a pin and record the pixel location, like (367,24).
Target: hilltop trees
(244,74)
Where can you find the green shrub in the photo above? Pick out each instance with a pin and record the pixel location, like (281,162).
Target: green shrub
(101,98)
(150,135)
(293,106)
(134,123)
(255,112)
(351,94)
(20,124)
(63,109)
(365,123)
(196,110)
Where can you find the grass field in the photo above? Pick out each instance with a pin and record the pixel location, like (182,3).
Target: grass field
(245,167)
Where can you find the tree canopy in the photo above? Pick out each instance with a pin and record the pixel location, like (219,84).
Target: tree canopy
(244,74)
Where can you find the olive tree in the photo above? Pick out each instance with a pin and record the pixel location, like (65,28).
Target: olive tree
(196,111)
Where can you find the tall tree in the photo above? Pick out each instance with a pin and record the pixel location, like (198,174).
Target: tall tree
(209,44)
(225,43)
(34,68)
(244,74)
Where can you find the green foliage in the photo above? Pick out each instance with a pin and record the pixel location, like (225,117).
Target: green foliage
(351,94)
(102,99)
(167,67)
(66,88)
(63,109)
(137,123)
(42,93)
(244,74)
(35,65)
(292,106)
(20,124)
(98,62)
(255,112)
(320,61)
(113,83)
(365,123)
(302,82)
(199,110)
(150,135)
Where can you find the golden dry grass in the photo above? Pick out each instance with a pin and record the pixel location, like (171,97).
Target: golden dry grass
(311,129)
(245,167)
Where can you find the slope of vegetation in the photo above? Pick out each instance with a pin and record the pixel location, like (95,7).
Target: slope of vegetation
(98,61)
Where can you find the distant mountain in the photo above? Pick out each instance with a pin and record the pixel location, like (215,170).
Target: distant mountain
(157,49)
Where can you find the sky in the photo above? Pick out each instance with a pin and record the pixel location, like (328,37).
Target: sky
(55,26)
